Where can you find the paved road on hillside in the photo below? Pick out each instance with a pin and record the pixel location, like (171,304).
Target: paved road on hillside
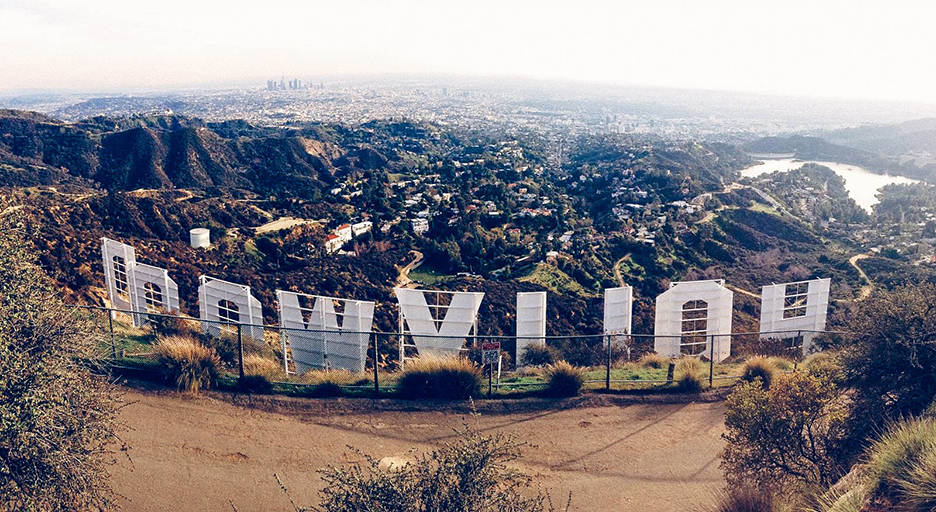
(206,453)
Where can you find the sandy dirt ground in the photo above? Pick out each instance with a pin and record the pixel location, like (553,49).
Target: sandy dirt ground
(209,453)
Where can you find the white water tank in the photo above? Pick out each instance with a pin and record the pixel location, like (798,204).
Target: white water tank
(200,238)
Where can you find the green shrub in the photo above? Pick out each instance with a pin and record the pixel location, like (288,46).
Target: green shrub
(902,465)
(563,380)
(825,364)
(891,364)
(226,348)
(186,363)
(257,384)
(329,383)
(758,367)
(790,435)
(689,375)
(653,360)
(538,355)
(440,377)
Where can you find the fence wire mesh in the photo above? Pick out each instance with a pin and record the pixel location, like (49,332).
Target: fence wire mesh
(294,358)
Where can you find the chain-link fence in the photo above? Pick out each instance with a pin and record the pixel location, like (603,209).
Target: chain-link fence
(371,361)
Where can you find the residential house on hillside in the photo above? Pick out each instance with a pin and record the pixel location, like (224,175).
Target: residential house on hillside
(344,233)
(333,243)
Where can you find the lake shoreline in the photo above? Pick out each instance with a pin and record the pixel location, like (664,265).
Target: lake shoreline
(862,184)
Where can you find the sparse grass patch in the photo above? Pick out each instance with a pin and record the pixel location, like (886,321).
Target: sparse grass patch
(653,360)
(186,363)
(563,380)
(440,377)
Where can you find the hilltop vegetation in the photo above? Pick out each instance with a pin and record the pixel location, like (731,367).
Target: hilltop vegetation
(495,205)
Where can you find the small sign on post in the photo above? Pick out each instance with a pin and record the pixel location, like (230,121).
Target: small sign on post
(490,354)
(490,351)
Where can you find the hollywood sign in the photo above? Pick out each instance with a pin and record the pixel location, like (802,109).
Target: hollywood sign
(692,317)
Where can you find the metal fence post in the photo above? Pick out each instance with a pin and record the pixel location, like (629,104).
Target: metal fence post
(240,352)
(711,367)
(110,321)
(490,379)
(376,374)
(799,335)
(283,336)
(608,367)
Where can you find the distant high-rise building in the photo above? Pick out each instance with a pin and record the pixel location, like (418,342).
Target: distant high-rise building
(271,85)
(445,91)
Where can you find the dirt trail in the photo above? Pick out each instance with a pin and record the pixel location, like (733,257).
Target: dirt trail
(403,280)
(742,291)
(617,269)
(199,453)
(868,286)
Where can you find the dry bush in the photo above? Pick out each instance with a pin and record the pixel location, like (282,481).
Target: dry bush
(758,367)
(58,419)
(474,473)
(689,375)
(653,360)
(528,371)
(781,363)
(563,380)
(258,365)
(440,377)
(186,363)
(751,498)
(339,377)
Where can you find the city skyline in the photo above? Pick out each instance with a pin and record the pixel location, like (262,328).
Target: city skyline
(836,49)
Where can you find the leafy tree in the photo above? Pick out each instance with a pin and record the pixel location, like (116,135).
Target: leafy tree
(790,434)
(891,362)
(57,419)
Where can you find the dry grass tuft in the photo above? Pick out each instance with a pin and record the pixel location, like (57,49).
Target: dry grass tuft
(563,379)
(440,377)
(187,363)
(758,367)
(688,375)
(255,364)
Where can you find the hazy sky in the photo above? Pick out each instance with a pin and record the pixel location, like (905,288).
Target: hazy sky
(854,49)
